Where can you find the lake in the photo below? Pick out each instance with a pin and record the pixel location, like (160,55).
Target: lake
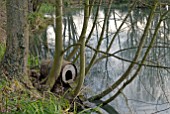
(149,92)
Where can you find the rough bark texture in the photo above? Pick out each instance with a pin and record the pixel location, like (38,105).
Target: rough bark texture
(2,21)
(14,63)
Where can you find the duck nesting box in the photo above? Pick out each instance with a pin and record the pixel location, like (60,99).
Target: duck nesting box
(67,75)
(68,72)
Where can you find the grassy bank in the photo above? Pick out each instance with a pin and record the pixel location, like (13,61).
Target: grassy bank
(15,100)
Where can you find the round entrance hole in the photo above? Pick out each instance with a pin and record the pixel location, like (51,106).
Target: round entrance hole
(69,75)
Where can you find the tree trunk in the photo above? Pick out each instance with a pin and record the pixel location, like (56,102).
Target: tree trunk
(14,63)
(2,22)
(58,57)
(82,49)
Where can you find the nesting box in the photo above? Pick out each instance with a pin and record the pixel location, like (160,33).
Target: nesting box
(68,71)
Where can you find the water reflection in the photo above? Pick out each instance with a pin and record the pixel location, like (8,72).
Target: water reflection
(149,92)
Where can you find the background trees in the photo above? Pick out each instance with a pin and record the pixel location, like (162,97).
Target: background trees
(14,63)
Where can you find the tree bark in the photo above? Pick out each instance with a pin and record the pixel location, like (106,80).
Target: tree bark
(82,49)
(2,22)
(14,63)
(58,57)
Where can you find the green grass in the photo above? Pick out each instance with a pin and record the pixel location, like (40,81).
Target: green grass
(46,8)
(14,100)
(2,50)
(42,106)
(33,61)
